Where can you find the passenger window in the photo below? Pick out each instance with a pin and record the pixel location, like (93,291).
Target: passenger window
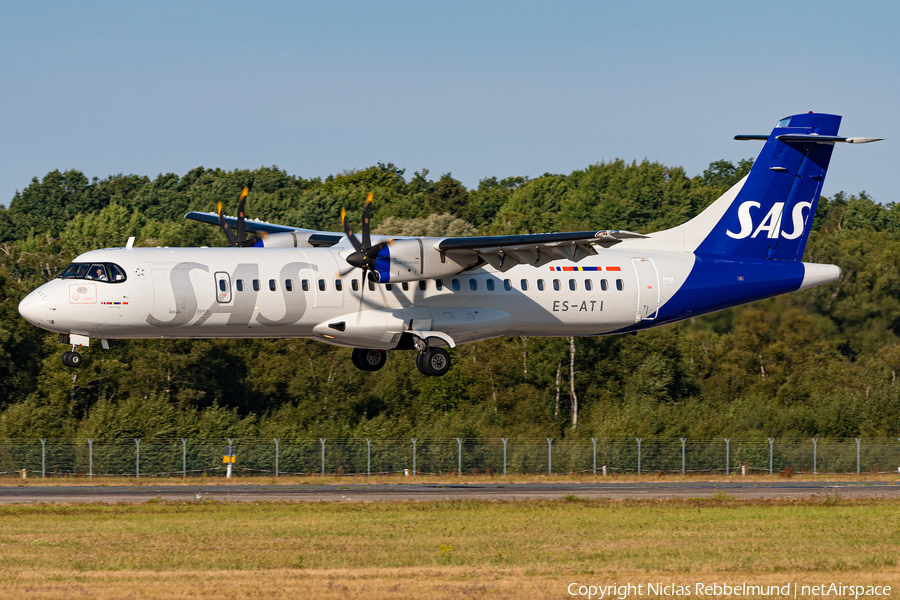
(588,285)
(289,285)
(354,285)
(473,285)
(455,284)
(524,285)
(338,285)
(322,287)
(439,284)
(221,285)
(556,285)
(540,285)
(490,285)
(389,286)
(256,285)
(115,273)
(572,285)
(507,284)
(405,286)
(423,285)
(371,286)
(304,285)
(239,284)
(272,285)
(603,285)
(620,285)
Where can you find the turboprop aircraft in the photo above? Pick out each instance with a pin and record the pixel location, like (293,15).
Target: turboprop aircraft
(382,293)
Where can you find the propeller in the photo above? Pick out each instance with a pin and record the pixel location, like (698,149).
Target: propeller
(365,253)
(240,239)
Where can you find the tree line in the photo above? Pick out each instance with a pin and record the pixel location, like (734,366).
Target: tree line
(822,362)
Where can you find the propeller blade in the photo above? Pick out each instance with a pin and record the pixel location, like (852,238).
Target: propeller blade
(367,239)
(241,234)
(232,239)
(346,225)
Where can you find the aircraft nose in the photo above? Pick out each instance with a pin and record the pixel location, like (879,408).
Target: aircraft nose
(33,308)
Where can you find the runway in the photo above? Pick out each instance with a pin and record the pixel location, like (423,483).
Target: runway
(432,492)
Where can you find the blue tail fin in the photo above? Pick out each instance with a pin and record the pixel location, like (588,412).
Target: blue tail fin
(772,213)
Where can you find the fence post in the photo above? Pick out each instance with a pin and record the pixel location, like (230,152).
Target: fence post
(459,456)
(683,440)
(414,440)
(368,457)
(639,440)
(137,458)
(727,454)
(43,458)
(184,458)
(771,442)
(322,441)
(594,442)
(504,453)
(815,466)
(90,458)
(549,456)
(857,454)
(276,455)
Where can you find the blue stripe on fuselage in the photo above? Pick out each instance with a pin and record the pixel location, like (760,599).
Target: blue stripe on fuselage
(717,282)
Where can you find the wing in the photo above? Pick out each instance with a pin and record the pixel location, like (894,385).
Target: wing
(505,251)
(314,238)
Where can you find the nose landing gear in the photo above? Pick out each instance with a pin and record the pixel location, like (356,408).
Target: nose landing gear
(71,359)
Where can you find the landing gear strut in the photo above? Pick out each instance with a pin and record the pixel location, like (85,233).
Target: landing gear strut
(368,360)
(71,359)
(433,362)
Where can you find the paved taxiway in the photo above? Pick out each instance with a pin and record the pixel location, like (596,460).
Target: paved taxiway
(513,491)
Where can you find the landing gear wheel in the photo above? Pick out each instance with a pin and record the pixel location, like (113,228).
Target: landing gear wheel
(368,360)
(71,359)
(434,362)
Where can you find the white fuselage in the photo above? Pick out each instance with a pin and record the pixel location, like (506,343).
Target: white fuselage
(212,293)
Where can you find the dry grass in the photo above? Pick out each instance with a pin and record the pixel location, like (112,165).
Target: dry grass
(449,478)
(394,549)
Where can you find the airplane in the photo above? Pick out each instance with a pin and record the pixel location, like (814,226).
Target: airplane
(381,293)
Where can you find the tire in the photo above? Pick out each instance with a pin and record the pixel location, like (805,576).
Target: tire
(371,360)
(65,359)
(75,360)
(436,361)
(420,364)
(368,360)
(354,356)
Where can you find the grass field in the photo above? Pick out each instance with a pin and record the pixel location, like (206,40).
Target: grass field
(11,480)
(476,549)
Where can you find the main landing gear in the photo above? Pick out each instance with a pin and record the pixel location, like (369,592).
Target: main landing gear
(71,359)
(368,360)
(432,362)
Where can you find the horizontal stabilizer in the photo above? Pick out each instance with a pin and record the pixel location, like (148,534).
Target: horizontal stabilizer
(316,238)
(809,137)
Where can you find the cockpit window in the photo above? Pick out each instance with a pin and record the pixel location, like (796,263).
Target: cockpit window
(108,272)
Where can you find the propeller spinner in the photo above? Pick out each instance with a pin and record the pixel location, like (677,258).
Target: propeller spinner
(365,254)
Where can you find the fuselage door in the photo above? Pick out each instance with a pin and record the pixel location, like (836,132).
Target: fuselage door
(223,287)
(648,289)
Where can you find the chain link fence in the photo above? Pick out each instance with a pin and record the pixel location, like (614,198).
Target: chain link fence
(191,457)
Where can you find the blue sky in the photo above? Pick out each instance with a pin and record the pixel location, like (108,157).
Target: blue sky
(474,88)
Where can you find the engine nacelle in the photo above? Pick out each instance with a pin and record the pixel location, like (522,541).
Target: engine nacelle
(413,260)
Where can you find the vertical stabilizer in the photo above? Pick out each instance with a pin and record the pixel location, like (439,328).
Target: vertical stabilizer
(771,213)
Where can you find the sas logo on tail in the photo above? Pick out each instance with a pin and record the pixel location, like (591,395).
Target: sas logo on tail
(771,224)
